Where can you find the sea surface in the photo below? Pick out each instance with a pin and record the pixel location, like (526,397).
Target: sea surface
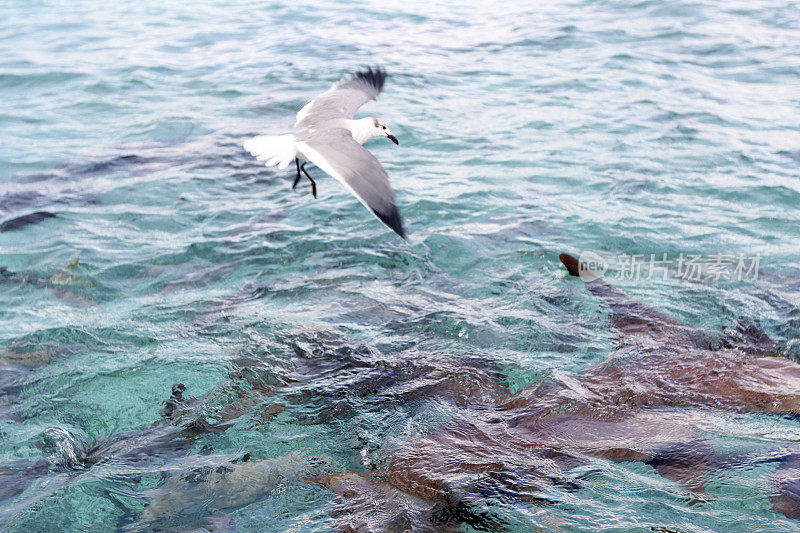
(632,129)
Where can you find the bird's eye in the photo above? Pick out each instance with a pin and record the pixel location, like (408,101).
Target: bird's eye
(384,127)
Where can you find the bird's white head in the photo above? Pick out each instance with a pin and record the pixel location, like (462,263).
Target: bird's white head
(380,129)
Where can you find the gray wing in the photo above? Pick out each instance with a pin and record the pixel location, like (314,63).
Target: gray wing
(343,99)
(336,152)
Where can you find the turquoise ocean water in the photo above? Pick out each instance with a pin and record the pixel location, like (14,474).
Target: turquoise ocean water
(525,129)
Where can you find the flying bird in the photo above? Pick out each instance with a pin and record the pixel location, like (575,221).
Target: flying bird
(328,136)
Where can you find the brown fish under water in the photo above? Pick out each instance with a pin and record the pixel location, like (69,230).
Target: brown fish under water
(648,401)
(63,277)
(184,421)
(209,492)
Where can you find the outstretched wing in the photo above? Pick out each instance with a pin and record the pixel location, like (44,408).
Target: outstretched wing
(343,99)
(337,153)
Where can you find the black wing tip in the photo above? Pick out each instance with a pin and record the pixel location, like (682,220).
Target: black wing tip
(393,220)
(374,76)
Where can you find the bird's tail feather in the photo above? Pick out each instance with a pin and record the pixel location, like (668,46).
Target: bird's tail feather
(272,149)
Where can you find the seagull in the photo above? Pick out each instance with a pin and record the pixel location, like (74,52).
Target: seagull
(328,136)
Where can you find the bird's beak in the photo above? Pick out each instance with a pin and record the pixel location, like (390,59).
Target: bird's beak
(393,139)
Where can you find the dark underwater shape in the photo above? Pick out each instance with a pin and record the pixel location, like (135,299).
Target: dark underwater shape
(646,402)
(25,220)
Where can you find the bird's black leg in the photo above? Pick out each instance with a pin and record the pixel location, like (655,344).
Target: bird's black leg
(313,183)
(297,179)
